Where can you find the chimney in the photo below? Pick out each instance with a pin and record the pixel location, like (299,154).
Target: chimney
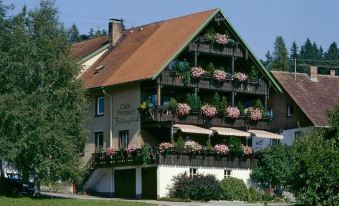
(332,72)
(313,72)
(115,31)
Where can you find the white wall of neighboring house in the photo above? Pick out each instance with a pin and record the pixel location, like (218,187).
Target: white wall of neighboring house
(167,172)
(85,65)
(290,134)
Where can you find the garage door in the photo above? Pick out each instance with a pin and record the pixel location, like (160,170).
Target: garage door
(149,183)
(124,183)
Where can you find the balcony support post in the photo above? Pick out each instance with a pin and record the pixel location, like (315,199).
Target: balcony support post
(266,100)
(196,56)
(159,95)
(172,135)
(233,59)
(233,97)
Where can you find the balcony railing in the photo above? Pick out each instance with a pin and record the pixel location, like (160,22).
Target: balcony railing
(211,49)
(207,160)
(161,114)
(170,78)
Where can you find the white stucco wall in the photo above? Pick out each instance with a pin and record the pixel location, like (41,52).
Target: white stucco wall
(165,173)
(85,65)
(289,134)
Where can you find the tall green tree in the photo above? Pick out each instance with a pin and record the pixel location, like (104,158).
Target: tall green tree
(294,53)
(280,55)
(73,35)
(306,50)
(332,52)
(42,103)
(269,60)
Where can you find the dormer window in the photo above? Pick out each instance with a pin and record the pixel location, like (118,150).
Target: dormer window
(290,111)
(99,110)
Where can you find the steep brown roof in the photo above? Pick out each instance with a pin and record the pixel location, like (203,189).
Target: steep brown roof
(143,51)
(314,98)
(84,48)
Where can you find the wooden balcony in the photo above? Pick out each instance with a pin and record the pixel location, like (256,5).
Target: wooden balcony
(162,115)
(101,160)
(210,49)
(170,78)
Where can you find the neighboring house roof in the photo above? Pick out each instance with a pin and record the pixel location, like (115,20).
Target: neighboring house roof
(145,51)
(85,48)
(314,98)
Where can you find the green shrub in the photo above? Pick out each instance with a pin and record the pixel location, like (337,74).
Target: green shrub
(254,195)
(179,144)
(210,68)
(253,73)
(199,187)
(234,189)
(173,105)
(146,154)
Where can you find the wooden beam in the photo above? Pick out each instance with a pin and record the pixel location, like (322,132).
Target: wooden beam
(159,95)
(233,61)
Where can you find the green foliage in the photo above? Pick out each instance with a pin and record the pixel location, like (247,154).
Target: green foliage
(234,189)
(216,99)
(179,144)
(200,187)
(193,100)
(41,100)
(222,105)
(234,144)
(253,75)
(143,106)
(294,51)
(210,68)
(259,105)
(173,105)
(210,34)
(73,34)
(145,151)
(209,144)
(182,66)
(241,108)
(280,55)
(273,168)
(315,175)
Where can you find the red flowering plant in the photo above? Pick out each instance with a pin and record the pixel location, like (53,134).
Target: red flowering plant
(110,151)
(183,109)
(221,149)
(253,113)
(192,146)
(239,76)
(197,72)
(232,112)
(219,75)
(221,39)
(247,150)
(132,148)
(165,147)
(209,111)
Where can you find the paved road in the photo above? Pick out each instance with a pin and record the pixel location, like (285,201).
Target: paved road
(162,203)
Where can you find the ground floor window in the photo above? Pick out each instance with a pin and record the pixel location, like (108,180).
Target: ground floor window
(123,139)
(99,141)
(193,172)
(227,173)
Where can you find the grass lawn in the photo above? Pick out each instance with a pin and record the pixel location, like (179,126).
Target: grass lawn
(47,201)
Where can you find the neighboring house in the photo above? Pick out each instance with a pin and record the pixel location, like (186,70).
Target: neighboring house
(141,65)
(304,102)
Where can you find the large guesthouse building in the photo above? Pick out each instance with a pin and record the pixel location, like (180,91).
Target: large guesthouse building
(188,88)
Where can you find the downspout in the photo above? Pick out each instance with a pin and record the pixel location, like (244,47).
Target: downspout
(110,116)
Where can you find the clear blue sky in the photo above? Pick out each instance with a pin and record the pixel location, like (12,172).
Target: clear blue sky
(258,21)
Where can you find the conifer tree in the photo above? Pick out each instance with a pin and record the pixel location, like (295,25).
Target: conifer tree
(280,55)
(294,51)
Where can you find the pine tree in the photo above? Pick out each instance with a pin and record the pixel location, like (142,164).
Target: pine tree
(294,51)
(332,52)
(73,34)
(42,104)
(306,51)
(269,60)
(280,55)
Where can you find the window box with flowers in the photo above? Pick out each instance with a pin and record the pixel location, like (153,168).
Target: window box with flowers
(239,78)
(197,72)
(254,115)
(183,110)
(209,111)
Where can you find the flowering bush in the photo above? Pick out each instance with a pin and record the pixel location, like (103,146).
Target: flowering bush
(219,75)
(110,151)
(132,148)
(221,149)
(183,109)
(192,146)
(232,112)
(246,150)
(221,39)
(240,76)
(197,72)
(165,146)
(253,113)
(209,111)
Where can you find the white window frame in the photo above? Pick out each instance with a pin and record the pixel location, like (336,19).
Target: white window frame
(123,140)
(193,172)
(97,107)
(227,173)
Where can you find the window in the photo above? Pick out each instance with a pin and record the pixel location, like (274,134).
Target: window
(193,172)
(275,141)
(227,173)
(99,106)
(290,111)
(123,138)
(270,112)
(99,141)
